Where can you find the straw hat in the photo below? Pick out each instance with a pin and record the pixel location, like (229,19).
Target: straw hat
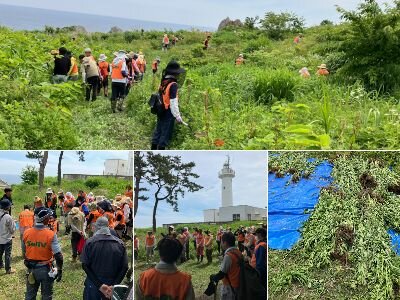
(322,66)
(74,211)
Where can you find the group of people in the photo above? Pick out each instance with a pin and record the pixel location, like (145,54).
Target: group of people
(123,70)
(246,244)
(322,71)
(98,227)
(167,42)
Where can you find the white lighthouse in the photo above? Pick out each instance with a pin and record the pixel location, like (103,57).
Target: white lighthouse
(226,175)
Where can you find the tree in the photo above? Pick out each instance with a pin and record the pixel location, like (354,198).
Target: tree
(41,157)
(372,46)
(326,23)
(140,165)
(81,157)
(115,29)
(29,175)
(229,24)
(277,25)
(250,22)
(171,178)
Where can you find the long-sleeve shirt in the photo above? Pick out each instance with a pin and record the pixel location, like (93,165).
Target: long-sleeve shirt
(261,264)
(7,227)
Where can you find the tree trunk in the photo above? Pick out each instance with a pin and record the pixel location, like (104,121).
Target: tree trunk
(136,196)
(42,166)
(59,168)
(154,216)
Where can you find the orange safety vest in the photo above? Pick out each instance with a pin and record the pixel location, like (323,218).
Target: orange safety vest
(38,244)
(74,68)
(241,237)
(150,240)
(117,70)
(96,214)
(155,284)
(296,40)
(234,271)
(26,218)
(66,202)
(111,219)
(141,65)
(121,213)
(323,72)
(253,261)
(166,40)
(200,239)
(239,61)
(104,67)
(166,95)
(129,194)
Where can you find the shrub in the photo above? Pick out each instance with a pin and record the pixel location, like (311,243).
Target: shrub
(29,175)
(277,84)
(92,183)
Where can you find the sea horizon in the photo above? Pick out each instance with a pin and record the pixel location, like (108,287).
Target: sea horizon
(27,18)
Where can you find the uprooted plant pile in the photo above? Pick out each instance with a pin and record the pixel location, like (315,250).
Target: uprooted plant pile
(345,247)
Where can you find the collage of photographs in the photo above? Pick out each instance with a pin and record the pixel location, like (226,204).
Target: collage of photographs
(198,150)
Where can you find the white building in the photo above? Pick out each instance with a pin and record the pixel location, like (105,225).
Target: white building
(228,212)
(117,167)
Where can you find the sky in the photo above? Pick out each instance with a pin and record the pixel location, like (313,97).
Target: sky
(249,187)
(195,12)
(12,163)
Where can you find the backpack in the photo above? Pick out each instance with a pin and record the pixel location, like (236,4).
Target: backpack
(250,286)
(157,104)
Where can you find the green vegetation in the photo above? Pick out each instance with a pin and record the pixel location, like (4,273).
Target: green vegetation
(263,104)
(200,271)
(345,251)
(71,286)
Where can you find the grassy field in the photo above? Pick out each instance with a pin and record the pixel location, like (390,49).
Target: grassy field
(200,272)
(263,104)
(71,286)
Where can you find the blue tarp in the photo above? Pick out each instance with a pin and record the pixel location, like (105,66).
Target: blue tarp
(288,203)
(395,237)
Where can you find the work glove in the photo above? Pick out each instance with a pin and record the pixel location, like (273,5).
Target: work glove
(179,119)
(58,276)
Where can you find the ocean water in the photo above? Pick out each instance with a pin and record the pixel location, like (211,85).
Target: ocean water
(24,18)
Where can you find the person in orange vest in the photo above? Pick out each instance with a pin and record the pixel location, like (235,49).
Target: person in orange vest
(200,246)
(41,247)
(37,202)
(304,72)
(181,237)
(150,245)
(26,220)
(50,200)
(230,271)
(106,210)
(173,77)
(298,39)
(120,223)
(141,63)
(218,238)
(259,258)
(155,64)
(91,219)
(249,242)
(208,243)
(129,191)
(69,203)
(165,43)
(119,79)
(206,43)
(240,60)
(322,70)
(73,74)
(104,68)
(136,247)
(165,281)
(240,234)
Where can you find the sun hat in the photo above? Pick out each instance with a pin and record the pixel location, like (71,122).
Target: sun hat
(174,68)
(74,211)
(240,55)
(102,57)
(49,191)
(322,66)
(88,50)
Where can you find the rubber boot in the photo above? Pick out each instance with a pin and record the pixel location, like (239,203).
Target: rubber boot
(154,146)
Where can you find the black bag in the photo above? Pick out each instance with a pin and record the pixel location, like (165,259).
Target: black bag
(157,104)
(250,287)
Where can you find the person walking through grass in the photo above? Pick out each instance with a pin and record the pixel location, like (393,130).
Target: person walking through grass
(119,79)
(230,271)
(39,260)
(105,262)
(165,281)
(26,221)
(7,230)
(73,74)
(104,67)
(90,76)
(173,77)
(62,65)
(259,257)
